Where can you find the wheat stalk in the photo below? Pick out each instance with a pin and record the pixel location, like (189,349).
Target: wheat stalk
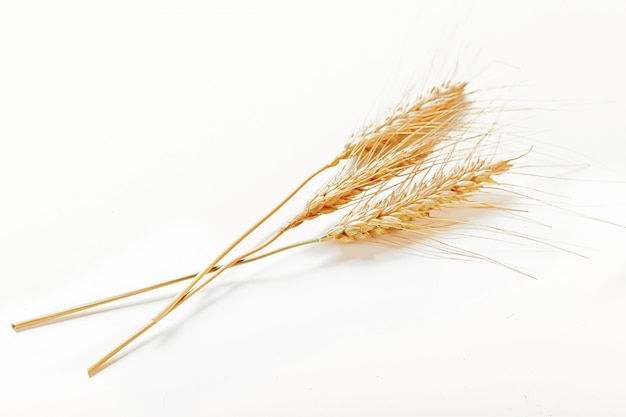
(423,156)
(47,318)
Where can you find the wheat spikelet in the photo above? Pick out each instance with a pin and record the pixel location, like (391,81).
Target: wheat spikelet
(391,149)
(409,122)
(408,203)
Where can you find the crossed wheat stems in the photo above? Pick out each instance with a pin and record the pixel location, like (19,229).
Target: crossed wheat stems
(393,179)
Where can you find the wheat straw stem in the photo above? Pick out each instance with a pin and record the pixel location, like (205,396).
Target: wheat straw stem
(24,325)
(199,276)
(18,326)
(176,301)
(102,363)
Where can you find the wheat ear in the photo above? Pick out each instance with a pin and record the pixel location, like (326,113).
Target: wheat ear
(410,203)
(381,152)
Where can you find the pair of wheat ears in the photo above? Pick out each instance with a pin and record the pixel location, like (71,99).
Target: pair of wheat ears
(393,177)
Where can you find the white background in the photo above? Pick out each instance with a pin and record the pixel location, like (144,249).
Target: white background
(138,138)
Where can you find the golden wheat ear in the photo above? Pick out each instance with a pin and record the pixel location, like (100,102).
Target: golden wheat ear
(401,143)
(413,217)
(409,204)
